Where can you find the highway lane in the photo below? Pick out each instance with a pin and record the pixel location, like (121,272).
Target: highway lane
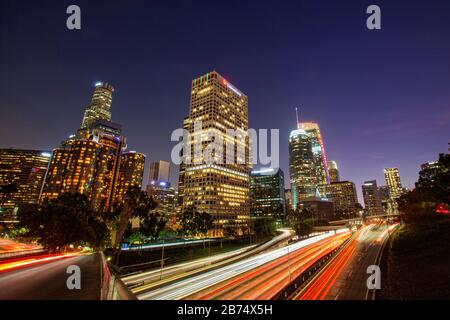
(345,276)
(196,283)
(264,282)
(156,278)
(48,280)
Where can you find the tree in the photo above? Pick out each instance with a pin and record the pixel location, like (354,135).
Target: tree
(193,222)
(264,227)
(68,219)
(432,190)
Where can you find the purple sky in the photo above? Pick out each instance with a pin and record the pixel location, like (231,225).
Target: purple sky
(381,97)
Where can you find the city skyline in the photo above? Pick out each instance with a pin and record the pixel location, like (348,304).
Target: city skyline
(394,132)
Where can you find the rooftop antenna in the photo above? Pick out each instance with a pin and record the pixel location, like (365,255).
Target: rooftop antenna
(296,115)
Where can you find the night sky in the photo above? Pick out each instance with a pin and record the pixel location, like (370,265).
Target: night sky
(381,98)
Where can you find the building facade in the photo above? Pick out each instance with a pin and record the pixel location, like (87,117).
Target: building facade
(218,185)
(267,198)
(26,169)
(301,167)
(100,106)
(393,182)
(372,198)
(159,171)
(333,171)
(344,198)
(318,150)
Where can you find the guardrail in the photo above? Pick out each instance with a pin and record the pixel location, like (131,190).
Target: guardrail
(111,286)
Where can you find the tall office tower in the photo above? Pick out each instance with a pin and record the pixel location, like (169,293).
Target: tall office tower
(288,198)
(219,187)
(26,169)
(165,197)
(301,167)
(100,106)
(344,197)
(392,177)
(182,168)
(131,172)
(267,197)
(159,171)
(318,149)
(333,171)
(372,198)
(386,201)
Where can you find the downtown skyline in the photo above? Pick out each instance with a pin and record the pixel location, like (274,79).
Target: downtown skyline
(364,131)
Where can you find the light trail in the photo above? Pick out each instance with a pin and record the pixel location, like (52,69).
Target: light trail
(26,262)
(202,281)
(321,285)
(265,282)
(177,272)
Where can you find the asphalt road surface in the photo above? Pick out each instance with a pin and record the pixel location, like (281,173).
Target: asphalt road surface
(48,280)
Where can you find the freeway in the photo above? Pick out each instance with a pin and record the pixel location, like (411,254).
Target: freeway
(189,286)
(264,282)
(345,276)
(46,279)
(153,278)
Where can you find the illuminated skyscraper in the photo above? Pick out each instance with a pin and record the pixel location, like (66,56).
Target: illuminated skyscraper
(26,169)
(100,106)
(94,162)
(344,198)
(267,197)
(333,171)
(219,187)
(372,198)
(392,177)
(318,150)
(131,172)
(301,167)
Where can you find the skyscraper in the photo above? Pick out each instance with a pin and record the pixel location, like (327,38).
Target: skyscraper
(392,177)
(94,162)
(267,197)
(301,167)
(372,198)
(344,197)
(159,171)
(318,150)
(219,187)
(333,171)
(100,106)
(131,172)
(26,169)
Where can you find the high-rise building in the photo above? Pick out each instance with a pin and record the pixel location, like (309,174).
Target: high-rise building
(219,187)
(344,197)
(301,167)
(318,150)
(131,172)
(166,198)
(333,171)
(26,169)
(372,198)
(159,171)
(100,106)
(182,169)
(288,198)
(94,162)
(392,177)
(267,197)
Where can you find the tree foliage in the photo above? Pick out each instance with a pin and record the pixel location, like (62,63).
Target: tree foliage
(194,222)
(68,219)
(432,189)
